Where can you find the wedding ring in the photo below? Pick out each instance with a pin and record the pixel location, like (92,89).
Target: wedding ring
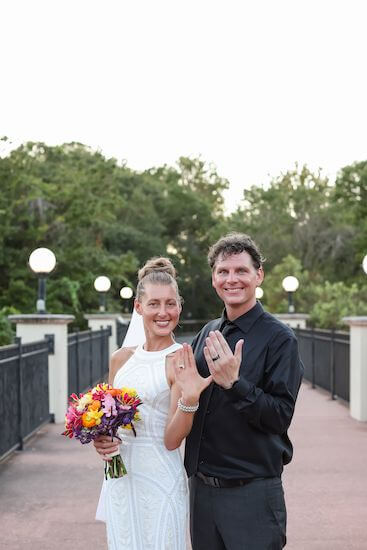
(182,366)
(216,358)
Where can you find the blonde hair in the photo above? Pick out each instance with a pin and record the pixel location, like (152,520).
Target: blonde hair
(157,271)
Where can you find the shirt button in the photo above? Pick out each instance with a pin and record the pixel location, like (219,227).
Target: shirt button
(201,462)
(207,412)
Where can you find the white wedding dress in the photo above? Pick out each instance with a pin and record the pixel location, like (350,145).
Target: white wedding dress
(147,509)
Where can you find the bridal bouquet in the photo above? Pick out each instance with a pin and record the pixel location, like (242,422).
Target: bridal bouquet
(102,411)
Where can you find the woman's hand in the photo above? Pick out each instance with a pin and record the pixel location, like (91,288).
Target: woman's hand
(187,377)
(106,445)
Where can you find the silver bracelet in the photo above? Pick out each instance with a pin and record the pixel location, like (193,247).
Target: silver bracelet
(187,408)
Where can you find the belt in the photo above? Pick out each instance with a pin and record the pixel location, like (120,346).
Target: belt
(223,483)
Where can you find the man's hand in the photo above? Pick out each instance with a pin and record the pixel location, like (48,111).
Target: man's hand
(224,366)
(104,445)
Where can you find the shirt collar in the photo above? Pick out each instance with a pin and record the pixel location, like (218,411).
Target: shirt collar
(245,321)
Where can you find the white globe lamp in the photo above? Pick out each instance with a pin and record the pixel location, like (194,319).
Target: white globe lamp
(259,293)
(364,264)
(42,261)
(102,284)
(290,285)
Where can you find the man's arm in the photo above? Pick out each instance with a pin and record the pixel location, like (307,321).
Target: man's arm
(269,409)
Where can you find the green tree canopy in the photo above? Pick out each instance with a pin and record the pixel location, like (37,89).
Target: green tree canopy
(101,217)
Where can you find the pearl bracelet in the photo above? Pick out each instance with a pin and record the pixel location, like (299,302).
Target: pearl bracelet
(187,408)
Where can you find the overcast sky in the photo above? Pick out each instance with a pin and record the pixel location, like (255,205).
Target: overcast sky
(251,86)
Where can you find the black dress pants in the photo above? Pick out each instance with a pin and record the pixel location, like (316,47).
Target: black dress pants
(250,517)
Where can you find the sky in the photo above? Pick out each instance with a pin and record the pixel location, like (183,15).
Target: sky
(253,87)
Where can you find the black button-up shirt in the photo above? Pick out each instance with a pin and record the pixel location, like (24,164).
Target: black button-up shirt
(242,432)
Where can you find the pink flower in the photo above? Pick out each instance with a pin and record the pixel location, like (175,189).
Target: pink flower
(109,406)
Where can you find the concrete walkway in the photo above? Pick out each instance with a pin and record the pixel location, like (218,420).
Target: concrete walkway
(49,491)
(326,483)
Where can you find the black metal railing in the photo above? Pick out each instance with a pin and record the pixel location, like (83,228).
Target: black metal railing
(24,403)
(325,354)
(190,326)
(121,330)
(88,358)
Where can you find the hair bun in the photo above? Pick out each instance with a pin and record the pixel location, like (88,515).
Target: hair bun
(157,264)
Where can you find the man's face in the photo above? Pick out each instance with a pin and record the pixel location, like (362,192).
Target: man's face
(235,279)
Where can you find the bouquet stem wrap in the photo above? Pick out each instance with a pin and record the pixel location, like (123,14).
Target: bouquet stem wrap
(115,467)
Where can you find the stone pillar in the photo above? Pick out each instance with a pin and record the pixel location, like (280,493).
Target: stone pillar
(293,320)
(358,367)
(33,327)
(98,320)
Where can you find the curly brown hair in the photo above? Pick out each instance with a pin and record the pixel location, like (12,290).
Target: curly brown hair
(235,243)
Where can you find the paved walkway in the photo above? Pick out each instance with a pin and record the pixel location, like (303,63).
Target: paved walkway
(49,491)
(326,483)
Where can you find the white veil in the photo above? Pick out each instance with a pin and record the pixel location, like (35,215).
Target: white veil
(135,333)
(135,336)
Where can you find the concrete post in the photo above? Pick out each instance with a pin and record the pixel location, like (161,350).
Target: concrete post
(33,327)
(98,320)
(358,367)
(293,320)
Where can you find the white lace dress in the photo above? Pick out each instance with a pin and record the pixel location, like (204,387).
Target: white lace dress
(147,509)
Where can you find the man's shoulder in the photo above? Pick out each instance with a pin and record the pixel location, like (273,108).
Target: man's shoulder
(214,324)
(277,327)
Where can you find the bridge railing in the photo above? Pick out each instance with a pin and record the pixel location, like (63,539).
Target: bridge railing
(326,357)
(24,403)
(88,358)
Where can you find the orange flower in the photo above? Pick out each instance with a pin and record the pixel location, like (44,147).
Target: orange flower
(95,405)
(114,392)
(87,421)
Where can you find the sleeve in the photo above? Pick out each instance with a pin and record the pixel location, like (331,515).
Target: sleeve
(195,341)
(270,409)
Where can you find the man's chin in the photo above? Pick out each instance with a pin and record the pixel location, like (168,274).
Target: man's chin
(233,300)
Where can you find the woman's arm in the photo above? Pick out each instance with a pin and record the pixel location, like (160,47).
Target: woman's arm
(104,444)
(186,385)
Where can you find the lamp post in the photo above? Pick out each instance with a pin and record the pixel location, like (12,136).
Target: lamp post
(259,293)
(102,285)
(290,285)
(364,264)
(126,293)
(42,261)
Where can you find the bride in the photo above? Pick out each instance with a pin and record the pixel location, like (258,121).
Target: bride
(147,508)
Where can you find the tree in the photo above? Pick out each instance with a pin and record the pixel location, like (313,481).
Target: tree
(100,217)
(67,198)
(350,199)
(275,298)
(192,206)
(333,301)
(298,214)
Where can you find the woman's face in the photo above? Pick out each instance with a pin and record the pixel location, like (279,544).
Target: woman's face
(159,308)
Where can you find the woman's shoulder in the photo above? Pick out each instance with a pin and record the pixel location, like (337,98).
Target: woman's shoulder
(119,358)
(122,353)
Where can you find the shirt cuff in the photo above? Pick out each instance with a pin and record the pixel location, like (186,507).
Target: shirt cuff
(240,389)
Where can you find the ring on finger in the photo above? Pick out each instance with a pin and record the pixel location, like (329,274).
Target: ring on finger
(181,366)
(216,357)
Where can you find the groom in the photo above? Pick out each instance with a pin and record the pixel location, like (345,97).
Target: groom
(238,445)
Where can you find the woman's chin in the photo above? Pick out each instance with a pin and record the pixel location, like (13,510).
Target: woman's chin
(163,331)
